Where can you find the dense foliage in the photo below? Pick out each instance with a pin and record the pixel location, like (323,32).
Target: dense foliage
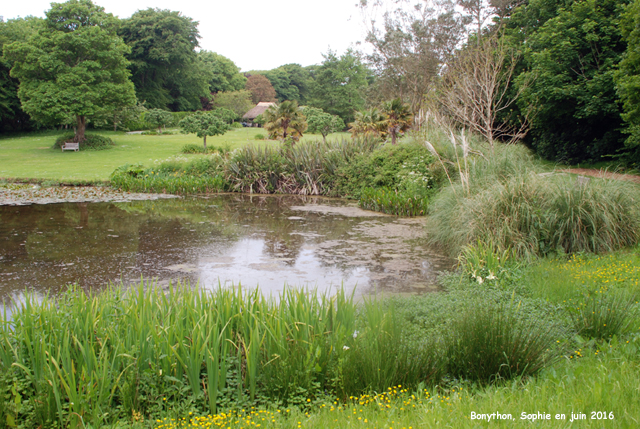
(74,68)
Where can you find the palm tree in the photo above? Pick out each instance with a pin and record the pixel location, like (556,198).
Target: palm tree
(285,120)
(368,123)
(398,118)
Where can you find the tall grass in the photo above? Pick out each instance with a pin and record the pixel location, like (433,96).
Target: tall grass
(603,314)
(497,341)
(307,168)
(506,201)
(89,358)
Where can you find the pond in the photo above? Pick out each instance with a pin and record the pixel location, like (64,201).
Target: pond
(264,241)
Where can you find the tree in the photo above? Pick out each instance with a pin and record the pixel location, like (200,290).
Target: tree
(475,89)
(12,117)
(225,75)
(320,122)
(410,45)
(74,66)
(300,78)
(260,88)
(166,70)
(285,120)
(397,118)
(573,58)
(225,114)
(158,117)
(238,102)
(628,79)
(369,123)
(340,84)
(204,124)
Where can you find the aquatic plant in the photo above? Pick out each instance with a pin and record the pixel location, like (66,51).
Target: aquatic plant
(393,202)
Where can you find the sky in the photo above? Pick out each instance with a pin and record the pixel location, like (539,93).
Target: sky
(254,34)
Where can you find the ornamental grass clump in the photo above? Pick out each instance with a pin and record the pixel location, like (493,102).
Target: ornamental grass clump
(514,206)
(490,342)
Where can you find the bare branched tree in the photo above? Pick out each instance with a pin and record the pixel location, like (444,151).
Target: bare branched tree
(476,92)
(410,46)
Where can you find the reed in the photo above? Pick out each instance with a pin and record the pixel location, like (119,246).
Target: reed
(393,202)
(85,354)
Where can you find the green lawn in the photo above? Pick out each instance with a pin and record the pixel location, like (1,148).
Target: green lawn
(31,157)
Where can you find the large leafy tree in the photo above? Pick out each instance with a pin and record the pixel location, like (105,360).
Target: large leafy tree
(285,120)
(340,84)
(281,83)
(260,88)
(225,75)
(75,66)
(628,78)
(410,45)
(572,59)
(165,67)
(12,117)
(238,102)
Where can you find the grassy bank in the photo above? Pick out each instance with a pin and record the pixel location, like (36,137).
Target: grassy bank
(30,156)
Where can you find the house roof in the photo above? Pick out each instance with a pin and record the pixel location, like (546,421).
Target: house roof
(259,109)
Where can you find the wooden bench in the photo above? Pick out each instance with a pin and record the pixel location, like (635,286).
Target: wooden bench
(71,146)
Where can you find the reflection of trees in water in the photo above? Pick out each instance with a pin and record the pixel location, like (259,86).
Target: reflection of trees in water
(97,242)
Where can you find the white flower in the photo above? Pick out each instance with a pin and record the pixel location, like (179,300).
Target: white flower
(491,276)
(479,279)
(345,347)
(355,334)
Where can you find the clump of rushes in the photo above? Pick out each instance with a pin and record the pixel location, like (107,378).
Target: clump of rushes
(489,342)
(393,202)
(380,354)
(603,314)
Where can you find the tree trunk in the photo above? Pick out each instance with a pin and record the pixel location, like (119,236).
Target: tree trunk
(82,124)
(393,136)
(324,138)
(205,143)
(115,123)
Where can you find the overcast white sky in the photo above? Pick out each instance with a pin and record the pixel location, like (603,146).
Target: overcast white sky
(255,34)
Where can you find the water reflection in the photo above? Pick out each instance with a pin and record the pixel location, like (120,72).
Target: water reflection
(222,239)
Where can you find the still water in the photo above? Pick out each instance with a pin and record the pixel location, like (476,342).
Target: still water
(264,241)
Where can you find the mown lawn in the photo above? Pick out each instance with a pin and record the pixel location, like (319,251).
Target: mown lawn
(31,157)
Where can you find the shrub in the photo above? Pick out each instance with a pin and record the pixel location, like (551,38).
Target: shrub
(91,142)
(259,136)
(236,125)
(196,148)
(492,341)
(394,167)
